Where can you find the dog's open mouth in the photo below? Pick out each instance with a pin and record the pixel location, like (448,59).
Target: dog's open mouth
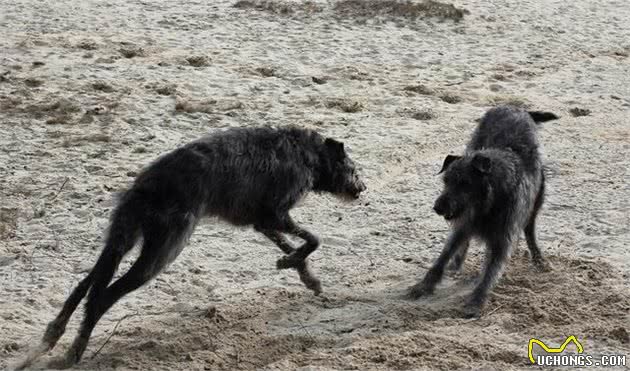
(451,216)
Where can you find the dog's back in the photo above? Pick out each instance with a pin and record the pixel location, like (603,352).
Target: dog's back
(246,176)
(229,174)
(493,192)
(511,129)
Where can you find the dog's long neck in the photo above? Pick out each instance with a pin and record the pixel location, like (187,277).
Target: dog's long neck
(322,172)
(315,157)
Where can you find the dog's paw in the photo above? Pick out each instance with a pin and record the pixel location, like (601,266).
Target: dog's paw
(471,311)
(33,355)
(309,279)
(473,306)
(418,290)
(542,266)
(60,363)
(313,284)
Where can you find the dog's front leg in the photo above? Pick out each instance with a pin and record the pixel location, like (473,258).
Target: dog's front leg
(311,243)
(496,256)
(435,273)
(306,275)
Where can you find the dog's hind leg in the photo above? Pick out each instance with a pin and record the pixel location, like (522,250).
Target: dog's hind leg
(425,287)
(57,327)
(530,229)
(121,238)
(162,244)
(306,275)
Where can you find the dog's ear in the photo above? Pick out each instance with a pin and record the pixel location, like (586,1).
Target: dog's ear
(335,148)
(448,161)
(482,163)
(539,116)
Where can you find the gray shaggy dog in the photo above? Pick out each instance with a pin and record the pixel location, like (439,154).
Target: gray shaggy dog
(246,176)
(493,192)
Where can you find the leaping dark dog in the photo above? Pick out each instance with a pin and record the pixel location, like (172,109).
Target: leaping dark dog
(247,177)
(493,192)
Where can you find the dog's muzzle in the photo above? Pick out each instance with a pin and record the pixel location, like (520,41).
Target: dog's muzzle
(443,208)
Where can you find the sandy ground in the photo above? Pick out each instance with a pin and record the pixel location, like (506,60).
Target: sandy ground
(92,91)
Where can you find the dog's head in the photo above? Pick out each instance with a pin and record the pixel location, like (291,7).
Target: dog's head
(338,174)
(467,190)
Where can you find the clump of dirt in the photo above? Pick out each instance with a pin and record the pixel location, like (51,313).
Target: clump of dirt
(63,105)
(107,60)
(579,112)
(419,89)
(59,120)
(88,117)
(360,9)
(345,105)
(166,89)
(495,88)
(266,71)
(61,111)
(319,80)
(198,61)
(506,99)
(620,334)
(8,102)
(206,106)
(5,76)
(8,222)
(92,138)
(279,7)
(451,98)
(424,115)
(87,45)
(397,9)
(33,82)
(499,77)
(183,105)
(102,86)
(132,51)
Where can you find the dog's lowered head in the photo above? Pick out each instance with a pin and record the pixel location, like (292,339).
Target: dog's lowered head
(466,186)
(338,174)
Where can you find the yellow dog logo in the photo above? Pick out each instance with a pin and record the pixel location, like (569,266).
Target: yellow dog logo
(547,349)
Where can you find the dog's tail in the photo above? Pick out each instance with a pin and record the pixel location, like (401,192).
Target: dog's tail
(540,116)
(123,233)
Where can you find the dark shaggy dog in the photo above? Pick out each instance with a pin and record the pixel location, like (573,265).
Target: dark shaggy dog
(492,192)
(247,177)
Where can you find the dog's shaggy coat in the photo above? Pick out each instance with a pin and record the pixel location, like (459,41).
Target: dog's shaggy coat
(493,192)
(247,177)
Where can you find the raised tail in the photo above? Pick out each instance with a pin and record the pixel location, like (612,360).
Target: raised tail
(123,233)
(540,116)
